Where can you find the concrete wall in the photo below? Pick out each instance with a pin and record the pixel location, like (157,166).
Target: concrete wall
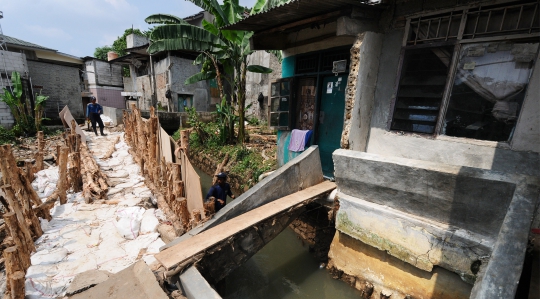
(180,70)
(103,73)
(62,84)
(135,40)
(427,214)
(14,62)
(257,83)
(449,150)
(115,114)
(109,96)
(6,119)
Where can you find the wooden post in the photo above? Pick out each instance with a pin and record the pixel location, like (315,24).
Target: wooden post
(184,213)
(210,207)
(196,217)
(15,207)
(184,140)
(18,238)
(16,283)
(39,155)
(62,181)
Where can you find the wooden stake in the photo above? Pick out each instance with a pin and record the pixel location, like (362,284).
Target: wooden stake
(16,283)
(15,207)
(18,238)
(62,181)
(111,149)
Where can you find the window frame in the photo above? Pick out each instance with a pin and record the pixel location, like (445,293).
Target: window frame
(457,43)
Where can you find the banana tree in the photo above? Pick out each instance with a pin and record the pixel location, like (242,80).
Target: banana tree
(12,98)
(225,50)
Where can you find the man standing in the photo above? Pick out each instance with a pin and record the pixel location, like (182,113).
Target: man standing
(93,112)
(220,191)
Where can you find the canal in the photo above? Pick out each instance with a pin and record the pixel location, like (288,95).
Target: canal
(284,268)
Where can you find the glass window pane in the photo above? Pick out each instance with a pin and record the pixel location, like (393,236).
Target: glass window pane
(274,90)
(274,104)
(274,119)
(285,88)
(284,104)
(423,78)
(284,119)
(489,88)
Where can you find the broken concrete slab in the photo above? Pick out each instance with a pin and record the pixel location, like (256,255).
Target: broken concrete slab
(85,280)
(135,282)
(195,286)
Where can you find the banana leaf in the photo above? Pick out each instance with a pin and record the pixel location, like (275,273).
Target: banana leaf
(164,19)
(200,77)
(259,69)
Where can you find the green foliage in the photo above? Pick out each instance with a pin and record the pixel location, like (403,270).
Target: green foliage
(101,52)
(38,110)
(6,136)
(24,124)
(226,120)
(224,52)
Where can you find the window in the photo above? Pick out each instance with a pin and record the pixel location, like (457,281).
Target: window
(280,103)
(465,73)
(489,88)
(421,89)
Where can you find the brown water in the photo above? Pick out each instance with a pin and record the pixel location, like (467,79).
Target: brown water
(284,268)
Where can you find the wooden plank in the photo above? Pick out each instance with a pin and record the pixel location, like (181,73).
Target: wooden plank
(193,188)
(182,251)
(165,145)
(66,117)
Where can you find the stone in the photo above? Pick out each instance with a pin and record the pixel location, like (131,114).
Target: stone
(85,280)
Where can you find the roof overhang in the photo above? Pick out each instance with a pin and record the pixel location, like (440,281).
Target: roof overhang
(272,26)
(298,10)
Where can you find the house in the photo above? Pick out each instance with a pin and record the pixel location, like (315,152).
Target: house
(425,115)
(45,70)
(174,67)
(104,81)
(171,69)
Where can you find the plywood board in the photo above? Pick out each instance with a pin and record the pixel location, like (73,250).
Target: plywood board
(166,150)
(182,251)
(66,117)
(193,187)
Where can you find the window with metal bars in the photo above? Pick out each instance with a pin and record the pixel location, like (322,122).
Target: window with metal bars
(489,78)
(483,21)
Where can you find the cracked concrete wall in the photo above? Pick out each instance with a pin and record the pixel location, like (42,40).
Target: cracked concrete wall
(423,213)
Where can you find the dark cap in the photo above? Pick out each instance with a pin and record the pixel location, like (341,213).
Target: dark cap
(92,98)
(222,175)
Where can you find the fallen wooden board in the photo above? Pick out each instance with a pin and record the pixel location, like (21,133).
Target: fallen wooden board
(165,141)
(182,251)
(66,117)
(192,185)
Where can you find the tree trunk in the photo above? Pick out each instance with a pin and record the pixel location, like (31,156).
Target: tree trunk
(16,283)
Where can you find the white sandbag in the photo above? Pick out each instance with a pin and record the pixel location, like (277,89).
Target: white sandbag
(48,256)
(149,222)
(160,215)
(105,118)
(128,222)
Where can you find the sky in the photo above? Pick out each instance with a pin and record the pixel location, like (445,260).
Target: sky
(77,27)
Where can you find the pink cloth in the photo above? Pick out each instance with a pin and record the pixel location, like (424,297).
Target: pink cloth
(297,140)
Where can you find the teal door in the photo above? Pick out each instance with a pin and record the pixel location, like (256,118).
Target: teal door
(331,120)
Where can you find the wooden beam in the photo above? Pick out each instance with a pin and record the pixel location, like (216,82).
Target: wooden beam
(182,251)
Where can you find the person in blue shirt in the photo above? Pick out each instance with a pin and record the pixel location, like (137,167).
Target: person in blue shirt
(220,191)
(93,112)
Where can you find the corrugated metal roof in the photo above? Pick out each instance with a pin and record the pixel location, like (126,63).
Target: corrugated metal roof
(19,42)
(295,10)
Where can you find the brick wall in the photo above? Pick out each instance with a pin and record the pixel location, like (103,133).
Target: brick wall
(6,119)
(61,84)
(14,62)
(181,69)
(110,97)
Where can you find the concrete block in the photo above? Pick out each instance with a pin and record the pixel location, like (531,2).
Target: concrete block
(135,282)
(195,286)
(86,280)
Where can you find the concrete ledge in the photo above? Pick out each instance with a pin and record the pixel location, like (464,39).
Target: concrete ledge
(300,173)
(413,239)
(501,276)
(195,286)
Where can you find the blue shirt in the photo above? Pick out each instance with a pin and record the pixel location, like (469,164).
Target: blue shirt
(93,108)
(219,192)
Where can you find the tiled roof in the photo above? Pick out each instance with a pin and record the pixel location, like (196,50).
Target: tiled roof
(19,42)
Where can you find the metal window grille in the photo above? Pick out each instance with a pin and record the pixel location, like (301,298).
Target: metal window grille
(306,64)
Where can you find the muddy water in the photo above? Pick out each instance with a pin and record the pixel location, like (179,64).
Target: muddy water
(284,268)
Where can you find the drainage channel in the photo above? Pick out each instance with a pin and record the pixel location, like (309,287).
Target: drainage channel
(284,268)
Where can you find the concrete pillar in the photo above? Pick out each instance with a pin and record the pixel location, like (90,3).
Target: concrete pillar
(360,97)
